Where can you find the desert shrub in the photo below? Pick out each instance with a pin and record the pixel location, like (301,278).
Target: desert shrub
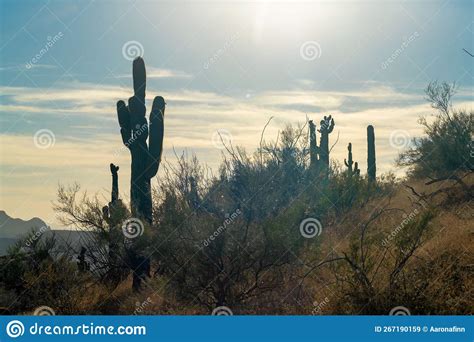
(371,276)
(222,251)
(447,147)
(37,275)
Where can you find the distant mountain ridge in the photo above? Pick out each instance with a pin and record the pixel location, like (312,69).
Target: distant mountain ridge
(12,229)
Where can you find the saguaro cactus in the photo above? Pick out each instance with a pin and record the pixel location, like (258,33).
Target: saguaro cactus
(371,167)
(110,210)
(350,163)
(113,214)
(327,126)
(313,146)
(135,131)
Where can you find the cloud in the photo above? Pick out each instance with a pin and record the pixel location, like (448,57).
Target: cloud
(192,117)
(30,66)
(152,72)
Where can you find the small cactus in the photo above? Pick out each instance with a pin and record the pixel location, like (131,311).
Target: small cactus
(82,264)
(356,169)
(371,166)
(350,163)
(115,205)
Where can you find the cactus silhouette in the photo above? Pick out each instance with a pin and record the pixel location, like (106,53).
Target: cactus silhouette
(326,128)
(115,205)
(146,156)
(135,131)
(82,264)
(352,168)
(371,167)
(113,214)
(313,147)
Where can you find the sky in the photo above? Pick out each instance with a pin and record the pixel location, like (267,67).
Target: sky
(222,66)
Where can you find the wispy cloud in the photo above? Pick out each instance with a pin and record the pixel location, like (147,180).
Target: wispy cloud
(192,117)
(18,67)
(152,72)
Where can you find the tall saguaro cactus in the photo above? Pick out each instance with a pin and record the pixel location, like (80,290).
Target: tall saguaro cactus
(135,131)
(313,147)
(371,167)
(326,128)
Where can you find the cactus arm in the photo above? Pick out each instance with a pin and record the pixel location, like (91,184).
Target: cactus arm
(136,103)
(114,170)
(331,125)
(156,135)
(345,162)
(139,79)
(124,122)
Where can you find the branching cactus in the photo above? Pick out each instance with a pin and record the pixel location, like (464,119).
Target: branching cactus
(135,132)
(114,214)
(313,147)
(326,128)
(352,168)
(371,167)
